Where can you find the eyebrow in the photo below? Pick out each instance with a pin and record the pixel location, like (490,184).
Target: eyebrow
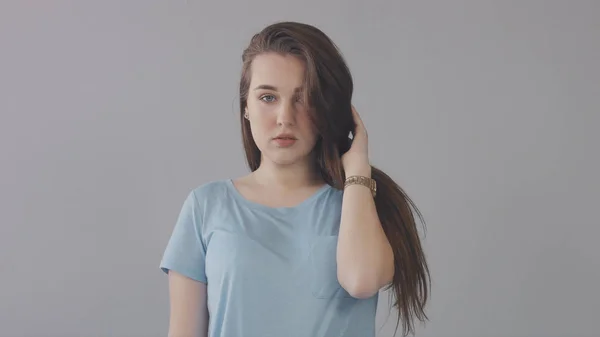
(274,88)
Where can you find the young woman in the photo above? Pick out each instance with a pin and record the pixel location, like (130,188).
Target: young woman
(302,245)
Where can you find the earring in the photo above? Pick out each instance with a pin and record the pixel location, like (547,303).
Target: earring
(246,115)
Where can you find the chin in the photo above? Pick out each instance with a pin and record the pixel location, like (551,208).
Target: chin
(285,159)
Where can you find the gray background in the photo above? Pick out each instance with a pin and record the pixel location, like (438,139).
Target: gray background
(485,112)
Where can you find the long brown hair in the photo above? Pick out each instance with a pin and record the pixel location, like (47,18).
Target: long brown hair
(328,87)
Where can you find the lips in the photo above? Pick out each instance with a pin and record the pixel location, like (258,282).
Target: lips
(285,137)
(285,140)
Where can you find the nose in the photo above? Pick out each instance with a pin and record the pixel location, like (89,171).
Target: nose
(286,115)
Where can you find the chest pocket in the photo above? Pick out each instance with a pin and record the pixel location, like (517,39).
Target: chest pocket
(323,267)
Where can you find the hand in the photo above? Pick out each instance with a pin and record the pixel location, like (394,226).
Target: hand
(356,160)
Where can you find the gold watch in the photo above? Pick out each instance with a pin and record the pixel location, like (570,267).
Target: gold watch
(365,181)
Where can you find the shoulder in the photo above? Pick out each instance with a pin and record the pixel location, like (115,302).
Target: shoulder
(334,195)
(210,188)
(209,191)
(203,198)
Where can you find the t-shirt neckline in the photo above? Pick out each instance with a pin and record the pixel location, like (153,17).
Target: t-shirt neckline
(252,204)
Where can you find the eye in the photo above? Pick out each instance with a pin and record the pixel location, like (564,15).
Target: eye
(267,98)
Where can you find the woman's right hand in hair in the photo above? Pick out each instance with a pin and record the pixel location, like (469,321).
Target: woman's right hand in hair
(356,160)
(188,310)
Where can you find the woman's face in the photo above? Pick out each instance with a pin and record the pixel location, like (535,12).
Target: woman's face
(279,118)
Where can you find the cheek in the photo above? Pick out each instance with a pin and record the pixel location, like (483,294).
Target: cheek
(309,129)
(261,126)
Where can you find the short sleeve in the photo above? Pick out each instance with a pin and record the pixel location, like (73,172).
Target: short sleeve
(185,252)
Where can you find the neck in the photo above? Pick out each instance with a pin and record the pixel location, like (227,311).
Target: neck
(287,176)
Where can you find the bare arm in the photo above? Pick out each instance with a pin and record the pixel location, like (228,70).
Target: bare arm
(364,255)
(188,310)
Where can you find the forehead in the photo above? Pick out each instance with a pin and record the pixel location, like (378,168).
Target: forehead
(286,72)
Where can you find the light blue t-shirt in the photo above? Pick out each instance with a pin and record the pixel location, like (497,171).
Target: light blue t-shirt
(270,272)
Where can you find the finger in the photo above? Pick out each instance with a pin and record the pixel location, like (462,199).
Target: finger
(360,126)
(355,115)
